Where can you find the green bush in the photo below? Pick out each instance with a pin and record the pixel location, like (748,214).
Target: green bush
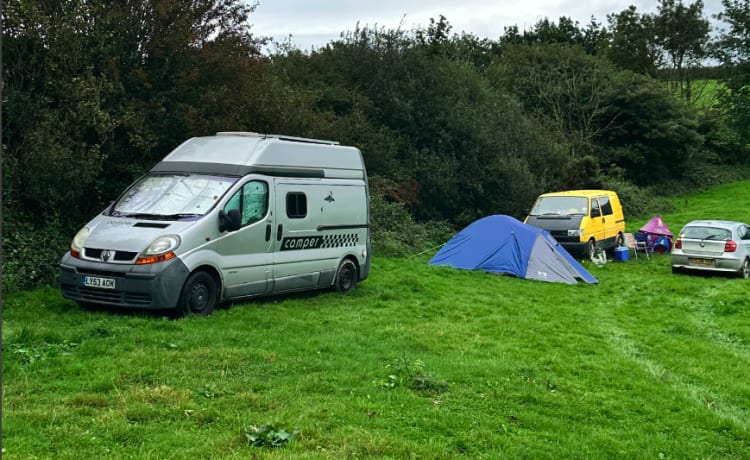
(31,253)
(396,233)
(639,201)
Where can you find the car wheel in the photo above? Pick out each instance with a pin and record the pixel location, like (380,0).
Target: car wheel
(346,276)
(198,296)
(590,250)
(744,271)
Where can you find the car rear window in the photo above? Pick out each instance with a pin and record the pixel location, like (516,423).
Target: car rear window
(706,233)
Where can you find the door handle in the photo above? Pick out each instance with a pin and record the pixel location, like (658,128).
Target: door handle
(268,232)
(278,233)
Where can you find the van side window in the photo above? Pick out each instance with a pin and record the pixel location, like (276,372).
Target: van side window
(251,200)
(595,210)
(606,205)
(296,205)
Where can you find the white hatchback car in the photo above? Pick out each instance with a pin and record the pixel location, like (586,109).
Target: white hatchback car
(713,245)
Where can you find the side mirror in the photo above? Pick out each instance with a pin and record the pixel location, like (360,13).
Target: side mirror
(229,221)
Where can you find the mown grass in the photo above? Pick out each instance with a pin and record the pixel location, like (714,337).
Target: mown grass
(417,362)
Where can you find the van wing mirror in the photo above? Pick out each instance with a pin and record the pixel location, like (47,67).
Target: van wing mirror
(229,221)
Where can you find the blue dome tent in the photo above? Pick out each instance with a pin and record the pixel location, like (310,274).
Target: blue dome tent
(502,244)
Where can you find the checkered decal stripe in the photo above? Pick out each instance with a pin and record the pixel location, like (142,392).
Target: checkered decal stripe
(340,240)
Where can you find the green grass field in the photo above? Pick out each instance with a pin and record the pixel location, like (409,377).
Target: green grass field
(417,362)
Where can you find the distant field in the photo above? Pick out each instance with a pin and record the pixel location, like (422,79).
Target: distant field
(704,92)
(417,362)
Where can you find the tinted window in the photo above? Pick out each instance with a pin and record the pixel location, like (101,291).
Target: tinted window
(744,232)
(296,205)
(706,233)
(251,200)
(595,207)
(606,206)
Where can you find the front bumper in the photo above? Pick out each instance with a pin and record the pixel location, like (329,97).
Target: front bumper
(154,286)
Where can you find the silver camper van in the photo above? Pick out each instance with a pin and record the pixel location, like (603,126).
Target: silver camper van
(227,217)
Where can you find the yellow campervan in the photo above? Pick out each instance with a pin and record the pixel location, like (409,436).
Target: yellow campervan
(580,220)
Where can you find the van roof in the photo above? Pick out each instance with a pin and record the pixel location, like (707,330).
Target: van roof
(240,153)
(586,193)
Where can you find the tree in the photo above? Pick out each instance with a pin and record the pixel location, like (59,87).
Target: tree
(683,34)
(633,42)
(734,53)
(654,136)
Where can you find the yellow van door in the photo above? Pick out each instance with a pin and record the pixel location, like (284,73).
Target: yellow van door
(596,226)
(608,219)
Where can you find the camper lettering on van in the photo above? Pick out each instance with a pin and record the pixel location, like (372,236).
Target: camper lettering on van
(310,242)
(227,217)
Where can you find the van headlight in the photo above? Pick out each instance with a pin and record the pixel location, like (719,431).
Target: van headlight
(76,246)
(160,250)
(576,232)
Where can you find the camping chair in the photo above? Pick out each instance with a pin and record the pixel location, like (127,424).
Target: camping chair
(633,244)
(642,243)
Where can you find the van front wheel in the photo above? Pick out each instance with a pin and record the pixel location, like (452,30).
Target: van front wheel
(198,296)
(346,276)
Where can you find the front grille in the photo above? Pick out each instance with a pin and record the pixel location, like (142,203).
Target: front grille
(134,298)
(119,256)
(100,295)
(108,296)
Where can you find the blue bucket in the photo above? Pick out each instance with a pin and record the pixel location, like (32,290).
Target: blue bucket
(622,254)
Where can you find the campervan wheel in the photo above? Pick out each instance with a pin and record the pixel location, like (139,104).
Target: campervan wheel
(198,296)
(346,276)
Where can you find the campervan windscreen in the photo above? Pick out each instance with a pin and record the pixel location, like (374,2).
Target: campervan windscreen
(560,206)
(172,196)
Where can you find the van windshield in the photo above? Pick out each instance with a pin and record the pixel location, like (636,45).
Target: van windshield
(172,196)
(560,206)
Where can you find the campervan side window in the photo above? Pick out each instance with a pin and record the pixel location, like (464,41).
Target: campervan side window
(606,206)
(296,205)
(251,200)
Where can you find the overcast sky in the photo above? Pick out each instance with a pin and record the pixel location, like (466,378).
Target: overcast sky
(315,23)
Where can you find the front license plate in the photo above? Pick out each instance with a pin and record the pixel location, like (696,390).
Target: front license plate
(702,262)
(98,282)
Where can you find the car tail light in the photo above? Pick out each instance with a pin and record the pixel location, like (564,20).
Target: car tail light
(730,246)
(678,243)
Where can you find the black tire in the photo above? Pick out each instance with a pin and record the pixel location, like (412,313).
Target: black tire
(744,271)
(198,296)
(346,276)
(676,271)
(590,251)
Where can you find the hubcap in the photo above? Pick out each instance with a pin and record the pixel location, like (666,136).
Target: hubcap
(199,297)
